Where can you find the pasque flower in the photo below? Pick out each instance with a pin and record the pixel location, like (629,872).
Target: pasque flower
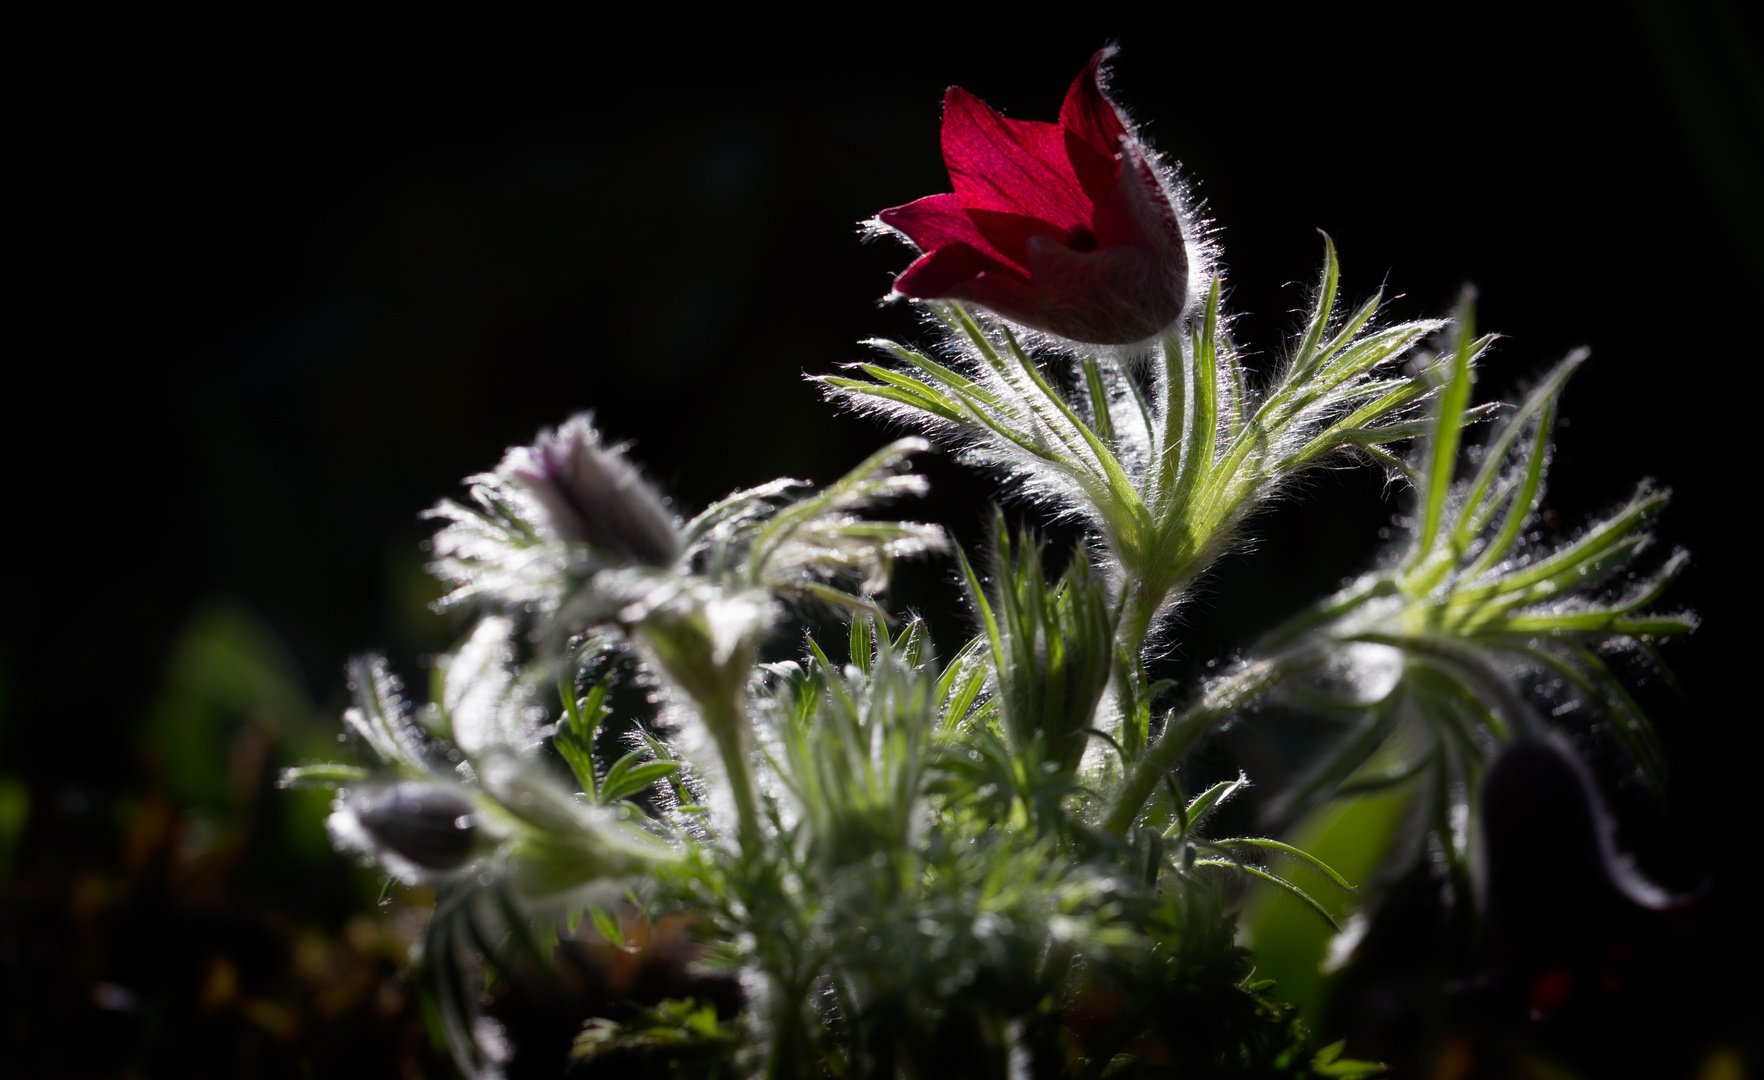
(1067,228)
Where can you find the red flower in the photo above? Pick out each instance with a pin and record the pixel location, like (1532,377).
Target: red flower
(1062,227)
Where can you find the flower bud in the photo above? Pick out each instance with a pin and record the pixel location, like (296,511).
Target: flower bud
(428,826)
(591,495)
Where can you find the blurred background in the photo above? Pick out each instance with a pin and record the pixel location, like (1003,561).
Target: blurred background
(284,283)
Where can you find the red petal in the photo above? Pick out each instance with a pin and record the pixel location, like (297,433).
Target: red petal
(1088,112)
(962,272)
(1096,171)
(935,273)
(937,221)
(1135,210)
(1012,166)
(1008,233)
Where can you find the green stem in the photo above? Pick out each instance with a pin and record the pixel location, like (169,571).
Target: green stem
(1130,629)
(1138,608)
(727,720)
(1183,731)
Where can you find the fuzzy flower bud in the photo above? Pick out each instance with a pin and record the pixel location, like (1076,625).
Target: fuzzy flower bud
(592,495)
(414,827)
(1070,228)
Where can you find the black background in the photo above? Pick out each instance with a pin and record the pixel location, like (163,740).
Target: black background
(281,285)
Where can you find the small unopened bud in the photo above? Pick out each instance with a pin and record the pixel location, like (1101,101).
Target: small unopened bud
(592,495)
(427,825)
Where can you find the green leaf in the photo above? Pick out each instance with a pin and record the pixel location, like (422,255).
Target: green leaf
(1204,432)
(1540,406)
(1329,1062)
(1395,398)
(1191,414)
(1287,849)
(607,925)
(904,397)
(631,774)
(1276,880)
(1306,357)
(1345,333)
(961,683)
(1522,499)
(382,718)
(978,595)
(1374,349)
(736,506)
(915,387)
(841,599)
(1203,804)
(967,388)
(1448,423)
(1238,413)
(1123,496)
(328,774)
(863,644)
(683,1033)
(1608,543)
(851,487)
(1101,421)
(574,738)
(913,643)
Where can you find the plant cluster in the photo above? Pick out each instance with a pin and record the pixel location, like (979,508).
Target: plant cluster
(988,864)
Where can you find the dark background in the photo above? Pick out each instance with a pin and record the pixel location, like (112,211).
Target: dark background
(281,286)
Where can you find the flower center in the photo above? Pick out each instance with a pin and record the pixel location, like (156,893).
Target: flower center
(1080,238)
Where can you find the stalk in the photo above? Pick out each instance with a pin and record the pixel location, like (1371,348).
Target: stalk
(1137,610)
(1183,731)
(727,720)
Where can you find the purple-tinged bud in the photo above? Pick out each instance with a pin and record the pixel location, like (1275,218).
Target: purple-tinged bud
(592,495)
(426,825)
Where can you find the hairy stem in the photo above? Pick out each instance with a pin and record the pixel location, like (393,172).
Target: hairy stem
(1184,730)
(727,720)
(1138,608)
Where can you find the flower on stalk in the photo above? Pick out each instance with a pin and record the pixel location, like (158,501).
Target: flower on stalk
(1070,228)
